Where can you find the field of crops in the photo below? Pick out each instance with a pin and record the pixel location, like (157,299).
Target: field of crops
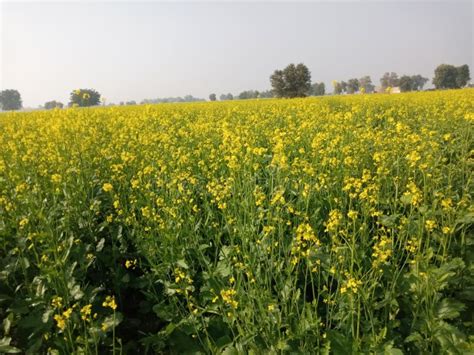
(321,225)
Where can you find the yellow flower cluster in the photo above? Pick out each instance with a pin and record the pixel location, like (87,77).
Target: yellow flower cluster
(110,302)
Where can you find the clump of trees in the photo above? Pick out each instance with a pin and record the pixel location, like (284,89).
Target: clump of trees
(317,89)
(212,97)
(389,80)
(451,77)
(354,85)
(249,94)
(411,83)
(225,97)
(53,104)
(187,98)
(293,81)
(10,100)
(84,98)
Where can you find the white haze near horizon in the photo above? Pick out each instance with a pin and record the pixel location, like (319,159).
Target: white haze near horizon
(135,51)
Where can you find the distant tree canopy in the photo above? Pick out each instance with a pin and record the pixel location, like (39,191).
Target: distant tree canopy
(352,86)
(337,87)
(412,83)
(187,98)
(389,80)
(293,81)
(249,94)
(53,104)
(132,102)
(317,89)
(212,97)
(451,77)
(224,97)
(10,100)
(365,84)
(266,94)
(84,98)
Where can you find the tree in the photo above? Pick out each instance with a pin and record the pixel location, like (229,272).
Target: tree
(411,83)
(352,86)
(224,97)
(419,82)
(293,81)
(53,104)
(132,102)
(462,77)
(10,100)
(337,87)
(266,94)
(249,94)
(212,97)
(84,98)
(451,77)
(389,80)
(318,89)
(344,86)
(406,83)
(366,85)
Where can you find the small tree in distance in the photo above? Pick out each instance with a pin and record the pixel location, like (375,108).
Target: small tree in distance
(318,89)
(53,104)
(293,81)
(212,97)
(10,100)
(84,98)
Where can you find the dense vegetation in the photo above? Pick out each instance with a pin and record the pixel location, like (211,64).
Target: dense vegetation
(335,224)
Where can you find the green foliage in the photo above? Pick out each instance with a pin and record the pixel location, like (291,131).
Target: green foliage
(84,98)
(10,100)
(224,97)
(338,225)
(212,97)
(318,89)
(366,85)
(352,86)
(249,94)
(53,104)
(451,77)
(389,80)
(293,81)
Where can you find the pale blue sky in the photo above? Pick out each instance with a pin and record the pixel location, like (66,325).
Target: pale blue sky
(129,50)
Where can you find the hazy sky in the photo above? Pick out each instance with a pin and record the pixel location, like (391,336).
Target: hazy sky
(130,50)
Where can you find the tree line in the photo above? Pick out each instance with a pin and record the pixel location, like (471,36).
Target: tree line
(292,81)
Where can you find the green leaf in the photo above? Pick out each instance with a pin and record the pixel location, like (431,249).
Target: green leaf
(449,308)
(182,263)
(340,344)
(100,245)
(6,348)
(230,350)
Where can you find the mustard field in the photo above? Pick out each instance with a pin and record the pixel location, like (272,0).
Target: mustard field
(334,225)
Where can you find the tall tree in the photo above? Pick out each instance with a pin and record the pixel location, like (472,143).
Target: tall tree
(84,98)
(337,87)
(352,86)
(293,81)
(344,86)
(212,97)
(366,85)
(406,83)
(462,75)
(10,100)
(389,80)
